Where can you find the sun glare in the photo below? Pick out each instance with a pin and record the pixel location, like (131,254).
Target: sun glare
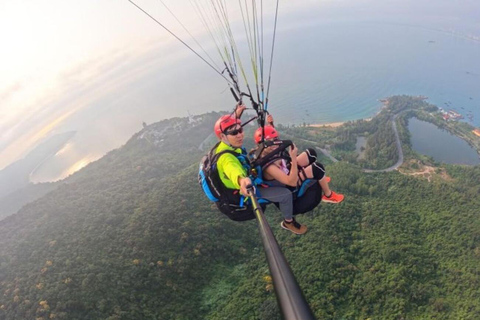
(80,164)
(65,149)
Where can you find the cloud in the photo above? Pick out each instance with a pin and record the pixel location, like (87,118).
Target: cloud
(80,88)
(7,93)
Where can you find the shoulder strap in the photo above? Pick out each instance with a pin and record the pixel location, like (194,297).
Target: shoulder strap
(271,161)
(277,153)
(215,157)
(241,156)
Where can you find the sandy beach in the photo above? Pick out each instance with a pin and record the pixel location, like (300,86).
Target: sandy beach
(331,124)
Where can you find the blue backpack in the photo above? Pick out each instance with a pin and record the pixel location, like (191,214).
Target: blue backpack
(229,201)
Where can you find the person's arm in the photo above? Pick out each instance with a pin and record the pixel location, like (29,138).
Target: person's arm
(239,110)
(232,168)
(270,120)
(278,174)
(245,183)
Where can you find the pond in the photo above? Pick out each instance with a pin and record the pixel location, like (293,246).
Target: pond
(360,147)
(441,145)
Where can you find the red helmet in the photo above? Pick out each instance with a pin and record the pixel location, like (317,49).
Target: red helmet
(224,122)
(270,133)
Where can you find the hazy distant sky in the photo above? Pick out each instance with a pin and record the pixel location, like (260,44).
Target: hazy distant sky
(61,60)
(61,57)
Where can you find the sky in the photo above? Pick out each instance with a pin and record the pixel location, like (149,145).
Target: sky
(62,62)
(57,59)
(61,59)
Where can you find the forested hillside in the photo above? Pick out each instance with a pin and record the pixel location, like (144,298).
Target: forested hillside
(132,236)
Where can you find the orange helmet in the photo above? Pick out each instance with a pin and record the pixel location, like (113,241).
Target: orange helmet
(223,123)
(270,133)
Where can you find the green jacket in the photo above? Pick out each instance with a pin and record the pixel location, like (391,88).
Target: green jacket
(229,167)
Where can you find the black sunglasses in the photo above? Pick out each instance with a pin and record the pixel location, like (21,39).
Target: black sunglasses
(234,132)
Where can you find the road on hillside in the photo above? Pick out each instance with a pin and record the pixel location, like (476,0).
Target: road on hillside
(399,148)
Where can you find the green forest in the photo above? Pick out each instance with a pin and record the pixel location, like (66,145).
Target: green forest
(132,236)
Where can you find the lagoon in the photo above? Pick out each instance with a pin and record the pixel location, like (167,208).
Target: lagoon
(441,145)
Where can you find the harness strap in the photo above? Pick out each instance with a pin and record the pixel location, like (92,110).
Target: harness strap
(302,176)
(261,161)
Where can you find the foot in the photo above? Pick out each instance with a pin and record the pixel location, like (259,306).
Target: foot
(294,226)
(333,198)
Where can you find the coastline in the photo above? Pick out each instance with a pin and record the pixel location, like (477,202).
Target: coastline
(333,124)
(329,124)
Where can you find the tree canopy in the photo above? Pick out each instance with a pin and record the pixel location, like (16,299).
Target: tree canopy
(132,236)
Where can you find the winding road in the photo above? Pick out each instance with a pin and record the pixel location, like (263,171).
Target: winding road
(329,155)
(399,148)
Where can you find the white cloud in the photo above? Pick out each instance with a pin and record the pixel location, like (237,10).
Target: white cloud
(52,102)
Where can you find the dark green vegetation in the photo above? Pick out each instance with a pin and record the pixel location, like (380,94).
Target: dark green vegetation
(131,236)
(12,202)
(380,150)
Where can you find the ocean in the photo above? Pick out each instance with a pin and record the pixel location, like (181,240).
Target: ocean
(329,71)
(341,74)
(324,70)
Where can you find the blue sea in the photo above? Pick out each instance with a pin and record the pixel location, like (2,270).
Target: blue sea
(328,66)
(329,71)
(340,75)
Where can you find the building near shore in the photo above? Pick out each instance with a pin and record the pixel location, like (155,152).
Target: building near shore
(450,115)
(476,131)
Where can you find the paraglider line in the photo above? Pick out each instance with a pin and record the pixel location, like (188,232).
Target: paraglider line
(176,37)
(271,57)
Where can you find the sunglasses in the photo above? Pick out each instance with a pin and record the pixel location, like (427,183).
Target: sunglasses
(234,132)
